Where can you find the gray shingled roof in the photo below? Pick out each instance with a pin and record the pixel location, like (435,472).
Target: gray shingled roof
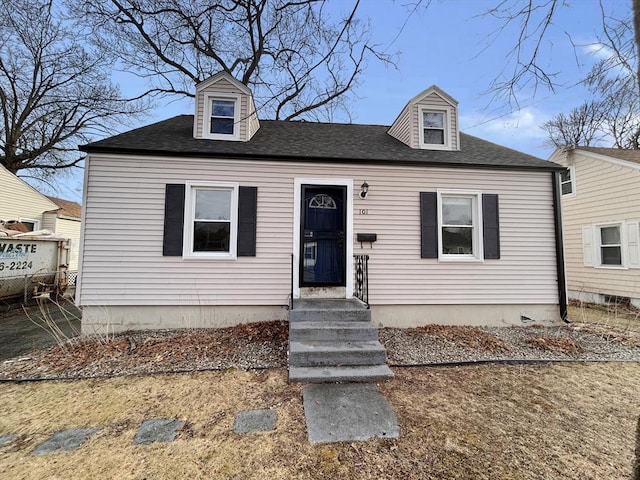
(620,153)
(284,140)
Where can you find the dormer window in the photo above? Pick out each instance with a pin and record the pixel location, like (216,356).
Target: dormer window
(222,117)
(434,129)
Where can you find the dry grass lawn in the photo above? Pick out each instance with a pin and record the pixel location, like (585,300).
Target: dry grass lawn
(620,316)
(573,421)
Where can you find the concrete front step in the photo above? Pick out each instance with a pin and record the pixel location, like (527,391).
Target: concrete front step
(316,354)
(362,373)
(314,310)
(333,331)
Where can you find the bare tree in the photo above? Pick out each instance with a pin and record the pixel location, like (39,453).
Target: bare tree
(581,127)
(54,93)
(614,111)
(298,61)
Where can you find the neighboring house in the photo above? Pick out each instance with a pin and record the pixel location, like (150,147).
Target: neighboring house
(218,218)
(20,202)
(601,213)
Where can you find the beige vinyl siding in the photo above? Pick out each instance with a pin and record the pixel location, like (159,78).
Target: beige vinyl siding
(434,101)
(123,262)
(605,192)
(19,200)
(49,221)
(254,123)
(401,128)
(222,86)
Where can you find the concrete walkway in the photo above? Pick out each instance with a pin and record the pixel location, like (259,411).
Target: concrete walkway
(347,412)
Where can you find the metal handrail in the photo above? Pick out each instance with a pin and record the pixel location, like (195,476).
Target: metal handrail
(291,293)
(361,284)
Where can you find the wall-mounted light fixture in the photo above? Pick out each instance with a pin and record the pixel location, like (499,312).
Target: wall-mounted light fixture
(364,189)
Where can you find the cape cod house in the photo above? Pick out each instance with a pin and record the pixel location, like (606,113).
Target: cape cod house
(220,218)
(601,217)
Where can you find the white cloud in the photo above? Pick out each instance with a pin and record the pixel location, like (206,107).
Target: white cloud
(598,50)
(519,130)
(525,122)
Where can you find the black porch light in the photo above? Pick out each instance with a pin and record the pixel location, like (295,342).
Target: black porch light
(364,189)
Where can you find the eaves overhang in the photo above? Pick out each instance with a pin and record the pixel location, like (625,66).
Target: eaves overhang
(314,159)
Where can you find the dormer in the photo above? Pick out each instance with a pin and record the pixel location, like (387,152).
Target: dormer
(224,110)
(429,121)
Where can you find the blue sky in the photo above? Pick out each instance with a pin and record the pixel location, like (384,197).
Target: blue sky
(447,44)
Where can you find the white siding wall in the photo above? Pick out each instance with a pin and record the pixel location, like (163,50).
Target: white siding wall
(122,261)
(18,199)
(605,192)
(70,229)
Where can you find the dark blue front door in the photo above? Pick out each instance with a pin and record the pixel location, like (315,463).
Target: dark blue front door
(322,255)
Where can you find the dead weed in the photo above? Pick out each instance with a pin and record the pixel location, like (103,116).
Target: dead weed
(480,422)
(471,337)
(565,346)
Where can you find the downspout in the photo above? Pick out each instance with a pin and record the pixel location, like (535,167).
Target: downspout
(557,216)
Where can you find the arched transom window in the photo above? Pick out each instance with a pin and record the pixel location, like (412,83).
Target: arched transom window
(322,201)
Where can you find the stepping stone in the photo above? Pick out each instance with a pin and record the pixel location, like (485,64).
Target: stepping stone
(347,412)
(64,441)
(5,439)
(253,421)
(158,430)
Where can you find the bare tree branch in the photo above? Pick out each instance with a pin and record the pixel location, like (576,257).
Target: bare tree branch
(54,92)
(297,59)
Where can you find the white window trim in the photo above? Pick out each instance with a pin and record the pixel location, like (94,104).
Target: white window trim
(206,121)
(572,173)
(598,245)
(448,112)
(478,241)
(189,211)
(36,223)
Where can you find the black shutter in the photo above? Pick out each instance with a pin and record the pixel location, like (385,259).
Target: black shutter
(429,224)
(173,220)
(247,210)
(491,226)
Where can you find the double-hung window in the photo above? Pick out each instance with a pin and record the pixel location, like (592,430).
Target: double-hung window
(610,244)
(434,129)
(567,181)
(223,114)
(460,226)
(211,220)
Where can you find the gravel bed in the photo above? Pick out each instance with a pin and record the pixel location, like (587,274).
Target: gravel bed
(264,345)
(469,344)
